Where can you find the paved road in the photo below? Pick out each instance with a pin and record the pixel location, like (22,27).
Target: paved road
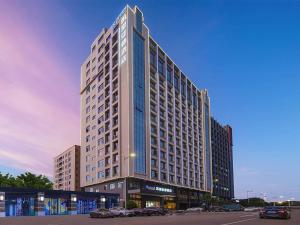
(236,218)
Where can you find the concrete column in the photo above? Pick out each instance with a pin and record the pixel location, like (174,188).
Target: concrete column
(2,204)
(72,205)
(39,206)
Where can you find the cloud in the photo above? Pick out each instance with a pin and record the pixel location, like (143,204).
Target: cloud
(39,98)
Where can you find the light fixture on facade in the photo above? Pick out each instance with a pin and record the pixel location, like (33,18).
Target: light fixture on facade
(1,197)
(132,154)
(41,198)
(103,199)
(74,199)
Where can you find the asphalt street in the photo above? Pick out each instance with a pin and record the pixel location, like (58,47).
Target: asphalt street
(205,218)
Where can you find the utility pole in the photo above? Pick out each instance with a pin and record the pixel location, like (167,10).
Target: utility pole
(248,196)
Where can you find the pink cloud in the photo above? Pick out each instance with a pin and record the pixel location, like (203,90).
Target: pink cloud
(39,101)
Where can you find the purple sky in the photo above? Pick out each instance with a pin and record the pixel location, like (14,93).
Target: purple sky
(39,102)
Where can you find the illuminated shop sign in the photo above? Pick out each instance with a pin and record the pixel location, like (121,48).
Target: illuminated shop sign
(160,189)
(123,38)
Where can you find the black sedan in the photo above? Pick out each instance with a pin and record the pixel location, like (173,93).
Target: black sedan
(280,212)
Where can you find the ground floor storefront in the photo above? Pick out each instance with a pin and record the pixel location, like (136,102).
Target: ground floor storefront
(27,202)
(154,194)
(151,194)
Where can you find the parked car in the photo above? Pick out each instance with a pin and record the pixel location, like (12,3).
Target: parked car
(101,213)
(154,211)
(232,207)
(252,209)
(137,212)
(119,211)
(280,212)
(216,209)
(150,211)
(194,210)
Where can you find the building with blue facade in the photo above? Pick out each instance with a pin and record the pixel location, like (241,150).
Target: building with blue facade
(30,202)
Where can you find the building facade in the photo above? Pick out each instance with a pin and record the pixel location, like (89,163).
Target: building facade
(222,160)
(145,127)
(67,170)
(33,202)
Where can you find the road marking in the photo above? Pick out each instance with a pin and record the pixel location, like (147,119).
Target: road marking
(240,221)
(247,215)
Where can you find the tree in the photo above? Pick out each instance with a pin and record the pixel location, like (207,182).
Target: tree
(7,180)
(256,202)
(131,204)
(30,180)
(207,199)
(26,180)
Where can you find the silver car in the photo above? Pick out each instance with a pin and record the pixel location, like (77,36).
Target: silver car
(119,211)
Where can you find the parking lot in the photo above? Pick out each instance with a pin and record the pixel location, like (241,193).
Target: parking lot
(205,218)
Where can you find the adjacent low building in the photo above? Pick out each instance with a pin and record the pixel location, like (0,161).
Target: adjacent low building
(222,160)
(33,202)
(67,170)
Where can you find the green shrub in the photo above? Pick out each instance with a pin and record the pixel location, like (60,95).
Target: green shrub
(131,204)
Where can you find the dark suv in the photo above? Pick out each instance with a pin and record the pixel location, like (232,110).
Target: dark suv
(280,212)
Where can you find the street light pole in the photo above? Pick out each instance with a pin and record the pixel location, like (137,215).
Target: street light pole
(248,196)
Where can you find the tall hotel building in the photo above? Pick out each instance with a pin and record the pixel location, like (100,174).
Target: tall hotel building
(145,127)
(222,160)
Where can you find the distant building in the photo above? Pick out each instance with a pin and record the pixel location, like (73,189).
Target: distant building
(222,160)
(67,170)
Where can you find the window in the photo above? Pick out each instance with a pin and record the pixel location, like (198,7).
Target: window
(162,155)
(88,109)
(100,174)
(87,100)
(87,129)
(176,82)
(161,67)
(153,174)
(153,141)
(162,144)
(100,130)
(169,75)
(101,108)
(153,58)
(112,186)
(120,184)
(100,152)
(162,133)
(101,141)
(88,168)
(101,163)
(100,98)
(100,87)
(194,100)
(183,88)
(153,162)
(139,102)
